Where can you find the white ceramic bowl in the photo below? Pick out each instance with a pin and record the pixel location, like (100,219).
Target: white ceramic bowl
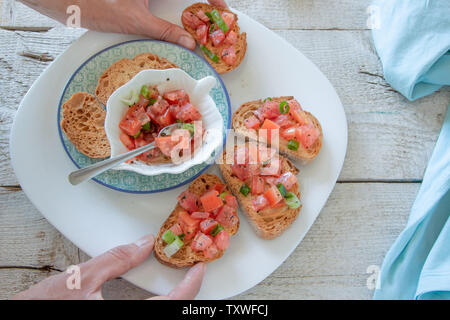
(167,80)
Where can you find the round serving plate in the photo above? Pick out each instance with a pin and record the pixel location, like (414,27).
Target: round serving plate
(85,79)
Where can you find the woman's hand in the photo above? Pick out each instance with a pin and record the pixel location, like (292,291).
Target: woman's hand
(110,265)
(119,16)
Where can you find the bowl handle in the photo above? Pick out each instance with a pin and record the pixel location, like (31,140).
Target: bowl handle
(205,85)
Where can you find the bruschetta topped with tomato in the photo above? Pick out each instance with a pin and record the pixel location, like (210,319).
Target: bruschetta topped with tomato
(266,185)
(299,132)
(216,31)
(200,227)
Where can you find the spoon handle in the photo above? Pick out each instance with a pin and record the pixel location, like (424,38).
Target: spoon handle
(90,172)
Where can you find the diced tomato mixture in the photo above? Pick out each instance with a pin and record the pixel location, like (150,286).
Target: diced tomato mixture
(288,117)
(196,220)
(262,178)
(143,122)
(208,33)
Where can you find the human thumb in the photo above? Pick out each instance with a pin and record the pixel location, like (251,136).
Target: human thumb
(163,30)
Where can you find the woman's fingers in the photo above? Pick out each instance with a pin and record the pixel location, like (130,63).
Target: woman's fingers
(116,262)
(219,3)
(163,30)
(191,284)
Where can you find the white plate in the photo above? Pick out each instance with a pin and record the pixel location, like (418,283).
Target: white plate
(96,218)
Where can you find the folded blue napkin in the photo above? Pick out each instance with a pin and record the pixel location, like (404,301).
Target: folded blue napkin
(412,38)
(418,264)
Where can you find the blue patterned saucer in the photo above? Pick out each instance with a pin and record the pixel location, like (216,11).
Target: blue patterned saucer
(85,80)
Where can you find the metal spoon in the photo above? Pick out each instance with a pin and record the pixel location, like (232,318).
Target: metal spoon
(82,175)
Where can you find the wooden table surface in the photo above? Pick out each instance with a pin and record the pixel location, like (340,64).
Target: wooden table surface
(390,143)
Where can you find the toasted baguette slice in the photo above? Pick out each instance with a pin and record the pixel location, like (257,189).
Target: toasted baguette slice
(241,45)
(268,223)
(303,155)
(186,257)
(122,71)
(83,123)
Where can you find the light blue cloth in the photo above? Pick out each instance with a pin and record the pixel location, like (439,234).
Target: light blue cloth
(418,264)
(412,38)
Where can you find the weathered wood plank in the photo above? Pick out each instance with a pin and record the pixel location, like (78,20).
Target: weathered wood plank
(330,263)
(385,129)
(282,14)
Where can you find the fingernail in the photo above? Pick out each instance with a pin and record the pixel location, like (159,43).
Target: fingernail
(145,241)
(186,42)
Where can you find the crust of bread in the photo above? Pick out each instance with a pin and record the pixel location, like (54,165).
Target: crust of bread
(241,46)
(83,123)
(302,155)
(122,71)
(186,257)
(268,223)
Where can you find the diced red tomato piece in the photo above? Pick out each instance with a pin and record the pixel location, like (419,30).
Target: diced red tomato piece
(273,195)
(227,216)
(202,16)
(179,97)
(240,171)
(271,180)
(211,252)
(200,215)
(160,106)
(207,225)
(143,102)
(259,113)
(165,120)
(272,169)
(166,145)
(211,201)
(307,135)
(140,141)
(174,109)
(189,201)
(229,55)
(217,37)
(201,242)
(202,34)
(183,136)
(188,113)
(260,203)
(271,109)
(176,229)
(231,38)
(229,19)
(220,187)
(150,155)
(190,226)
(191,20)
(130,126)
(222,240)
(257,185)
(231,201)
(272,129)
(252,122)
(288,179)
(284,121)
(289,133)
(127,141)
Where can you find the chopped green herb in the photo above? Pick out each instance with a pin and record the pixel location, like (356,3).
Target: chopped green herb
(268,99)
(292,201)
(137,135)
(223,194)
(209,54)
(169,236)
(282,189)
(147,126)
(145,92)
(245,190)
(219,21)
(293,145)
(217,230)
(152,101)
(209,15)
(190,127)
(284,107)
